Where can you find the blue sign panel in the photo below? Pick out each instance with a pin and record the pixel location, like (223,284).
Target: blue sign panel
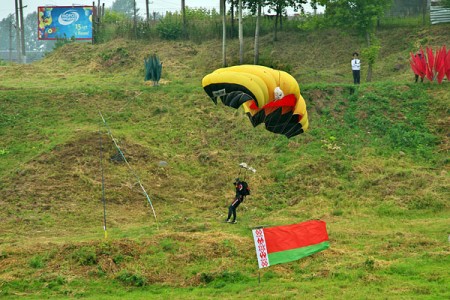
(58,22)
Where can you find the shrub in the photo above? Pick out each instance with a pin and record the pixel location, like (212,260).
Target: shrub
(169,30)
(37,262)
(131,279)
(85,256)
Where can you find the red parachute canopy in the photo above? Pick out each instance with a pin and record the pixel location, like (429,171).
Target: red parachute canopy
(440,66)
(432,65)
(418,63)
(447,65)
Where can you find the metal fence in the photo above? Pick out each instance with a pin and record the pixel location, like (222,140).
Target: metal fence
(13,56)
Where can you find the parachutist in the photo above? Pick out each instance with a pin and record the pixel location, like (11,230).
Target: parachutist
(242,190)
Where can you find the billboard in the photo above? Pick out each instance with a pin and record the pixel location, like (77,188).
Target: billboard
(65,22)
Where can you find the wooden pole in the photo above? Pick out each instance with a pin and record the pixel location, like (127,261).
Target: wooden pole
(19,58)
(22,33)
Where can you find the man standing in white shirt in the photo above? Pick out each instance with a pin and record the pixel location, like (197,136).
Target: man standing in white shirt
(356,68)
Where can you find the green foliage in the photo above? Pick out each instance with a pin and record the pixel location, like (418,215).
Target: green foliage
(37,262)
(113,17)
(85,256)
(311,22)
(61,41)
(125,7)
(426,202)
(3,152)
(169,29)
(118,53)
(445,3)
(357,14)
(168,245)
(221,279)
(370,54)
(373,166)
(369,264)
(131,278)
(56,283)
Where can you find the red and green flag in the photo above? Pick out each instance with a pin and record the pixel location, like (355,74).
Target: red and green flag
(280,244)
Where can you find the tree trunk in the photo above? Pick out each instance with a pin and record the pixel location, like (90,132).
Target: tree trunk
(241,35)
(232,20)
(258,17)
(183,10)
(134,19)
(275,28)
(280,14)
(224,32)
(424,11)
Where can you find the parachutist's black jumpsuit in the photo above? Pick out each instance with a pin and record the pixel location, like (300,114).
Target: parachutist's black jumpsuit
(238,199)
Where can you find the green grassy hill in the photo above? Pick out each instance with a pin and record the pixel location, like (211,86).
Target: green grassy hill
(374,166)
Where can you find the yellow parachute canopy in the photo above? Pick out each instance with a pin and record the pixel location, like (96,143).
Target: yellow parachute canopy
(268,96)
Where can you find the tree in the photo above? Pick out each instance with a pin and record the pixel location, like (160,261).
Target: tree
(445,3)
(124,6)
(361,15)
(224,31)
(241,34)
(7,27)
(279,6)
(258,18)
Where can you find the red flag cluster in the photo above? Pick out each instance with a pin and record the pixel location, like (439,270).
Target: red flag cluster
(432,65)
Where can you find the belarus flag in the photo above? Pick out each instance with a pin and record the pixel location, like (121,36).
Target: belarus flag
(276,245)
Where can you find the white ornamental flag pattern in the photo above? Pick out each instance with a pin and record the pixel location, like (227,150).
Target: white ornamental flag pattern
(260,246)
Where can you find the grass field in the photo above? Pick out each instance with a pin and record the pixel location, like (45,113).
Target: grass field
(374,165)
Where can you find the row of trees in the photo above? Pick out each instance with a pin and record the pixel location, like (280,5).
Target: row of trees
(8,37)
(361,15)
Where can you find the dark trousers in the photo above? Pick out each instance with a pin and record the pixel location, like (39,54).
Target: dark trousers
(232,208)
(356,76)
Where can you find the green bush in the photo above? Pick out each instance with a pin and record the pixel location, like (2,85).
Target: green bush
(85,256)
(169,29)
(37,262)
(131,279)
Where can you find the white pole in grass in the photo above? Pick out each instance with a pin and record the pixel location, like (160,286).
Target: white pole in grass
(103,185)
(131,169)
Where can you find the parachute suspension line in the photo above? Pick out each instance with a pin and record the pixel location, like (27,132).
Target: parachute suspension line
(129,167)
(103,184)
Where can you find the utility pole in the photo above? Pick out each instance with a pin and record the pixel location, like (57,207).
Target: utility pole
(10,36)
(22,33)
(183,11)
(19,59)
(135,20)
(147,10)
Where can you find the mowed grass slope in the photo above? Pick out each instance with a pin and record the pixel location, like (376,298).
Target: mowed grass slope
(374,166)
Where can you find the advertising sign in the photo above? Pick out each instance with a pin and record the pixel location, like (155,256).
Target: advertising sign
(65,22)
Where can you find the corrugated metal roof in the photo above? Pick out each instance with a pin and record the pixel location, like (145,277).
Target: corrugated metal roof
(439,14)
